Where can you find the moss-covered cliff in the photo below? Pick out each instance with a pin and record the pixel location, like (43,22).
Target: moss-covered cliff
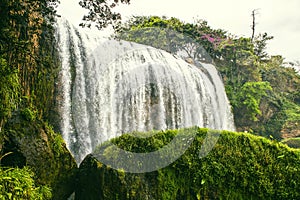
(240,166)
(29,67)
(33,143)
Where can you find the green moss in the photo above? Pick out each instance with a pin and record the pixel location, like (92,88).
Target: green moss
(240,166)
(28,114)
(9,90)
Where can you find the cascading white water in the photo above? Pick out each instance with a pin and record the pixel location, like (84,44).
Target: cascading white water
(111,87)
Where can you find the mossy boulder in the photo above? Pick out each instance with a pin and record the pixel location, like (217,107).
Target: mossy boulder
(33,143)
(240,166)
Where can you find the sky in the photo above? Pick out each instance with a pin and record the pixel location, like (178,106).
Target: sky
(278,18)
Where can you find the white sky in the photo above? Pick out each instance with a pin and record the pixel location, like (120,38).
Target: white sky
(279,18)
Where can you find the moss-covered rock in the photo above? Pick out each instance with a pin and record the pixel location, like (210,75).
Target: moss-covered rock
(240,166)
(292,142)
(33,143)
(98,181)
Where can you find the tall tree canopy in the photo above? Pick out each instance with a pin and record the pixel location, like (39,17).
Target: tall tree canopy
(101,13)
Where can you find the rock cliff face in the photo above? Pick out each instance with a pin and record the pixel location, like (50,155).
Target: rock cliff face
(33,143)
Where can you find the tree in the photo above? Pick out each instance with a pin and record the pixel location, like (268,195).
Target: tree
(101,13)
(250,96)
(254,13)
(260,44)
(198,40)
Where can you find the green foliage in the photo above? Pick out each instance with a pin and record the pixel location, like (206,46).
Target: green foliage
(57,141)
(260,45)
(9,90)
(18,183)
(101,13)
(292,111)
(240,166)
(249,98)
(28,114)
(173,35)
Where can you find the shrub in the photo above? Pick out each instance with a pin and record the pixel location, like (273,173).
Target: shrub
(16,183)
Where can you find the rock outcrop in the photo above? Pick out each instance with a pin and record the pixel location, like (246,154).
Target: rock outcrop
(33,143)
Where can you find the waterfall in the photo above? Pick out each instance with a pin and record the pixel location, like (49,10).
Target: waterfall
(112,87)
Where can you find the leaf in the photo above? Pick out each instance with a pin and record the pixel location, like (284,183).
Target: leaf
(18,188)
(202,181)
(280,156)
(9,195)
(6,178)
